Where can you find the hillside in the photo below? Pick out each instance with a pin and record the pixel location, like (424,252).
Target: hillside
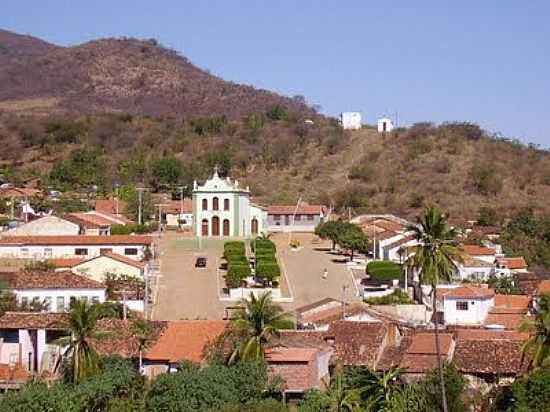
(130,111)
(119,75)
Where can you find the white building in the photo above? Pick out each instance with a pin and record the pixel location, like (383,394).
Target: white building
(385,125)
(222,208)
(350,120)
(46,226)
(474,269)
(98,267)
(47,247)
(295,218)
(54,290)
(466,305)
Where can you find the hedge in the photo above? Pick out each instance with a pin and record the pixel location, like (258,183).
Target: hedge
(268,270)
(238,270)
(263,244)
(237,246)
(384,270)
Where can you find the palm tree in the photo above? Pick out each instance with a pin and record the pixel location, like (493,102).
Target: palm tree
(263,236)
(82,322)
(341,398)
(377,388)
(435,256)
(258,320)
(142,331)
(538,345)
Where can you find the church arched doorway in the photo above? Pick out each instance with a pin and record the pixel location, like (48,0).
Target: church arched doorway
(254,226)
(226,227)
(215,226)
(204,227)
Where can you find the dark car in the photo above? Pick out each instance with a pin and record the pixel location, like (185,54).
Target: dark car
(200,262)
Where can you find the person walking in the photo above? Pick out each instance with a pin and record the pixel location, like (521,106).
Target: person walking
(325,273)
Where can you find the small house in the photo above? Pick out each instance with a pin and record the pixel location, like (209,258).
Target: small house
(385,125)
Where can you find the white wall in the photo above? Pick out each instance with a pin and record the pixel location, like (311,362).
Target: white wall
(475,315)
(388,122)
(42,294)
(98,267)
(470,272)
(65,251)
(351,120)
(45,226)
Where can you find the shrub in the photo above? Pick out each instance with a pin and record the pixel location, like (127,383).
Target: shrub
(362,172)
(234,245)
(398,297)
(268,270)
(295,243)
(485,179)
(384,270)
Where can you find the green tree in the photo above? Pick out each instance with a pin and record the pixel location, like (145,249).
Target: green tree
(142,330)
(84,361)
(329,230)
(259,319)
(435,258)
(166,171)
(376,388)
(538,345)
(531,393)
(342,398)
(352,238)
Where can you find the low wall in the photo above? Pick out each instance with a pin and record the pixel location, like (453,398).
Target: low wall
(239,293)
(413,313)
(135,305)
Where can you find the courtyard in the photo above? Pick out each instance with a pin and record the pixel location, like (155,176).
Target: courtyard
(187,292)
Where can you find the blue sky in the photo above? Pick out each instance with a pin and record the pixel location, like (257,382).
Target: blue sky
(482,61)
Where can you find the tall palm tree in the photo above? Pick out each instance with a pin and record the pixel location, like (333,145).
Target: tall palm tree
(84,360)
(142,331)
(436,257)
(258,320)
(342,398)
(377,388)
(538,345)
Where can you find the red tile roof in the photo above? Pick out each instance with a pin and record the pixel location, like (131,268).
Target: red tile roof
(17,192)
(109,206)
(357,343)
(469,292)
(65,262)
(489,352)
(33,320)
(291,354)
(119,258)
(508,320)
(421,355)
(290,209)
(544,287)
(513,262)
(49,280)
(185,340)
(174,206)
(474,250)
(88,220)
(520,302)
(77,240)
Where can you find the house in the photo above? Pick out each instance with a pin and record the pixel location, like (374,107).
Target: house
(473,269)
(295,218)
(91,224)
(181,340)
(177,213)
(46,226)
(421,354)
(301,369)
(113,206)
(47,247)
(350,120)
(98,267)
(490,357)
(508,312)
(480,252)
(18,193)
(54,290)
(222,208)
(506,266)
(385,125)
(320,315)
(28,340)
(466,305)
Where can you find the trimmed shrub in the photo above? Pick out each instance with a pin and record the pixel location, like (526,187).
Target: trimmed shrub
(268,270)
(384,270)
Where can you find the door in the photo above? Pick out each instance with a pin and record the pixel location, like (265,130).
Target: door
(204,227)
(215,226)
(254,226)
(287,220)
(226,227)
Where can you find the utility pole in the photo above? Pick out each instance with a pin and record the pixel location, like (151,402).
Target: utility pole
(344,288)
(140,191)
(181,203)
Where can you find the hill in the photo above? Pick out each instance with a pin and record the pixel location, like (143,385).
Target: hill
(99,125)
(119,75)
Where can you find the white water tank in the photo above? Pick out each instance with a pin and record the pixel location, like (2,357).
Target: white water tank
(350,120)
(385,124)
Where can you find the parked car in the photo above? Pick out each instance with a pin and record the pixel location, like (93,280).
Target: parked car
(200,262)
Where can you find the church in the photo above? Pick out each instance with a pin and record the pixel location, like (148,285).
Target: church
(222,208)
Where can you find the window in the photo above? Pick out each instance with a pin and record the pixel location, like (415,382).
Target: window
(225,204)
(461,305)
(48,252)
(25,252)
(309,217)
(104,232)
(10,335)
(277,218)
(60,304)
(215,204)
(48,303)
(24,301)
(104,250)
(81,251)
(131,251)
(95,299)
(297,218)
(204,204)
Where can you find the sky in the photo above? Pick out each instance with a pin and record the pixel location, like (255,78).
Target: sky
(486,62)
